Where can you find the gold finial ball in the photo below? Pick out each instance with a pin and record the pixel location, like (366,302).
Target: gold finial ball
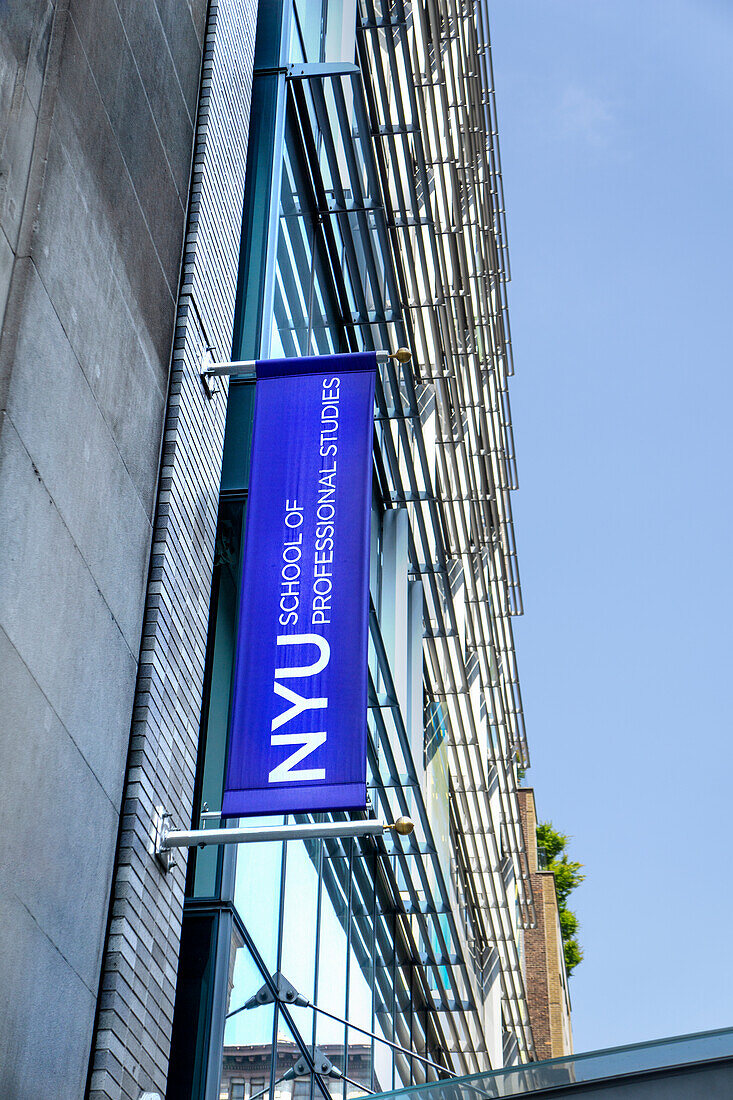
(403,826)
(402,355)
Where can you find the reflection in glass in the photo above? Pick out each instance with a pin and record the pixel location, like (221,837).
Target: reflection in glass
(300,923)
(332,951)
(305,311)
(257,892)
(361,969)
(246,1060)
(384,931)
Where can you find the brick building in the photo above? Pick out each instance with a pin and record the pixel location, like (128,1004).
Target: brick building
(548,994)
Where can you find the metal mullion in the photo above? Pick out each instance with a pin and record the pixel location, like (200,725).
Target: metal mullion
(433,505)
(404,745)
(414,110)
(488,64)
(289,277)
(411,475)
(318,198)
(385,98)
(381,167)
(362,217)
(314,196)
(323,121)
(394,72)
(475,781)
(506,939)
(385,244)
(421,918)
(352,264)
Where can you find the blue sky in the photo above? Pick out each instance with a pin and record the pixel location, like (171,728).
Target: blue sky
(616,130)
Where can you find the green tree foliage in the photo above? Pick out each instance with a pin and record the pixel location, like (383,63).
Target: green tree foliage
(568,874)
(573,954)
(569,924)
(551,842)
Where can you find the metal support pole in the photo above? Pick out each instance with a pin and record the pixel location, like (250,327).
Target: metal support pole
(247,368)
(166,839)
(241,366)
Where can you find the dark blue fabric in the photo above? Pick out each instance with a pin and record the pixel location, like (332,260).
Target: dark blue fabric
(297,739)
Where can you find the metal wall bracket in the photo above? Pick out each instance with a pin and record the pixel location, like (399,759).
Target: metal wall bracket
(162,823)
(210,370)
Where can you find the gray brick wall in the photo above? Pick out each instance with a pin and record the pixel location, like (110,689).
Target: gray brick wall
(138,984)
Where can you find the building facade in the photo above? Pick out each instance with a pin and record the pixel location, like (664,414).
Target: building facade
(288,178)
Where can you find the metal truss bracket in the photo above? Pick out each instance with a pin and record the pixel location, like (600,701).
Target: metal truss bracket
(322,1065)
(284,992)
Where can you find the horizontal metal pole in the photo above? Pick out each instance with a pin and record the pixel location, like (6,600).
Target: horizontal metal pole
(248,367)
(220,370)
(201,838)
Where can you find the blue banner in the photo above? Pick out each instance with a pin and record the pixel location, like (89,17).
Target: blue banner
(297,739)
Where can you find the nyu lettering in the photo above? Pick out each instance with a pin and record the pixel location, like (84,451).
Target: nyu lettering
(299,704)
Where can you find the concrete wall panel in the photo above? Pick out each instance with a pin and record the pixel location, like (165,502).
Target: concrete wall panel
(61,879)
(110,207)
(63,630)
(80,464)
(94,300)
(45,1033)
(96,141)
(136,133)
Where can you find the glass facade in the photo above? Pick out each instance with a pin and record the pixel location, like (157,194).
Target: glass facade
(399,947)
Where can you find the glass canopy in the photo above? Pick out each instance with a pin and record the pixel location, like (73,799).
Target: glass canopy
(711,1048)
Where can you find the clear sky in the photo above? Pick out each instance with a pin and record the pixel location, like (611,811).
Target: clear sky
(616,131)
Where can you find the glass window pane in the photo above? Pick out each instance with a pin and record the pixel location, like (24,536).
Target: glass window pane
(309,20)
(246,1056)
(238,437)
(300,922)
(257,892)
(332,953)
(361,971)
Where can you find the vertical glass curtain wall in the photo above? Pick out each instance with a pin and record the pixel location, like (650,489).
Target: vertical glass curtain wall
(372,932)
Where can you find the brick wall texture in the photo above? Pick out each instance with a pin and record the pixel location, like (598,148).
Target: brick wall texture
(545,978)
(132,1039)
